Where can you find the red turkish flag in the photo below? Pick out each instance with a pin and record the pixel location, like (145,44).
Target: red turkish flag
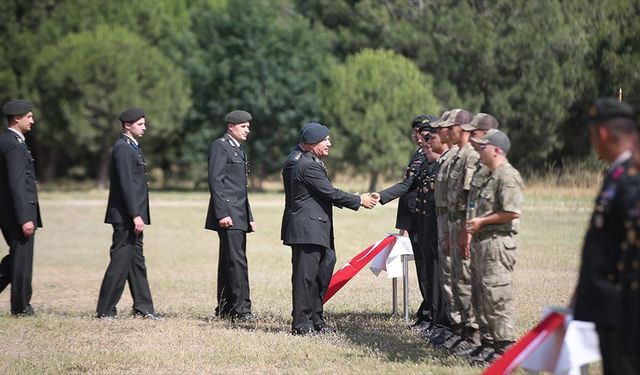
(527,344)
(353,266)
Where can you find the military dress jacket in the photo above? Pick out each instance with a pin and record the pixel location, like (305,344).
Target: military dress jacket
(128,184)
(422,183)
(287,171)
(597,297)
(313,198)
(18,190)
(628,275)
(407,203)
(228,172)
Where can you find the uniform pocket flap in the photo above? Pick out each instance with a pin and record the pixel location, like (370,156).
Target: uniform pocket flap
(318,216)
(509,243)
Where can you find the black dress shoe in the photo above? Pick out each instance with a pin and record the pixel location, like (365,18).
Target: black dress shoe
(324,330)
(244,318)
(106,317)
(28,311)
(149,316)
(301,332)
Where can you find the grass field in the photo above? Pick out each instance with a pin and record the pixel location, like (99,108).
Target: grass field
(71,256)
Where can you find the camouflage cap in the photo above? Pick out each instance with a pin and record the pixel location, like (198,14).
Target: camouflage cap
(457,116)
(496,138)
(604,109)
(481,121)
(443,118)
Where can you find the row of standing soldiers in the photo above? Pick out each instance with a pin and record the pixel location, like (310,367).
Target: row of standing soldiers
(460,204)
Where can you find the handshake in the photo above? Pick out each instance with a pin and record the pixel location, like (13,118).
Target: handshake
(369,200)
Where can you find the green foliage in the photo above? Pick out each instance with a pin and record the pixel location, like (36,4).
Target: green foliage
(371,99)
(84,85)
(536,66)
(261,57)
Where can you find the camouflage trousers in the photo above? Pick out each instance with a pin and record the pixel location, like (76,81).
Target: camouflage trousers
(460,275)
(445,265)
(493,261)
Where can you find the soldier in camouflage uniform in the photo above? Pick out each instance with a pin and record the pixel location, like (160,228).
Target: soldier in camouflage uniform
(440,195)
(494,228)
(458,185)
(478,127)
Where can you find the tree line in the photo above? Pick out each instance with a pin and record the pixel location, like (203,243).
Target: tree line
(365,68)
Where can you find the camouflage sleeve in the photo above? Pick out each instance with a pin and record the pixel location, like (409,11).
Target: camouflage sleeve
(510,194)
(470,169)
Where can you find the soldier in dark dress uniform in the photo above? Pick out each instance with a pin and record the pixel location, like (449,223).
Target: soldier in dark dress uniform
(597,299)
(425,251)
(628,275)
(230,215)
(310,230)
(128,213)
(406,220)
(19,207)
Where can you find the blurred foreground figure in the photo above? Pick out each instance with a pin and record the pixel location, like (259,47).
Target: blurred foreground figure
(612,126)
(19,208)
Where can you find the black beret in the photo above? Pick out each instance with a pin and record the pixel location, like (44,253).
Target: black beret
(305,126)
(314,133)
(16,107)
(132,114)
(608,108)
(426,127)
(423,119)
(237,117)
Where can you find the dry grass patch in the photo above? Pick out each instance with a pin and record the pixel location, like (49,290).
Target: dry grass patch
(72,255)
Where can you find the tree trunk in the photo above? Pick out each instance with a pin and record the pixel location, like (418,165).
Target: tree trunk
(48,164)
(103,168)
(374,181)
(46,159)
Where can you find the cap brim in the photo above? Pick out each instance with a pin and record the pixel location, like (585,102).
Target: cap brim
(446,124)
(479,141)
(468,127)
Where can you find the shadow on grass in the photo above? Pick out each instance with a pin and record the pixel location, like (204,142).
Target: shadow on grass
(265,323)
(389,337)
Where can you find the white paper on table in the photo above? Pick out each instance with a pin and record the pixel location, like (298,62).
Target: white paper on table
(390,258)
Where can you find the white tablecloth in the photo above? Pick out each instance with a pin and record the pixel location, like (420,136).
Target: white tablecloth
(565,351)
(390,260)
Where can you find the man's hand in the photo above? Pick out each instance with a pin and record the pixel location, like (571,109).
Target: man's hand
(225,222)
(138,224)
(368,200)
(474,225)
(253,226)
(28,229)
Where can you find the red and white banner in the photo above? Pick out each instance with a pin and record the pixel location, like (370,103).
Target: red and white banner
(527,344)
(353,266)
